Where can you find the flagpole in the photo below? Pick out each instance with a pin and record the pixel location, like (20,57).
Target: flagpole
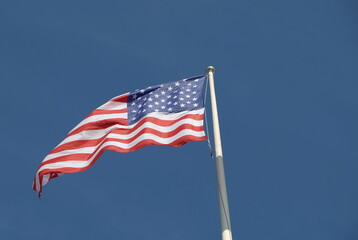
(223,202)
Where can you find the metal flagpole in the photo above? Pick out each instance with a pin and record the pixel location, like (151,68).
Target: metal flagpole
(224,206)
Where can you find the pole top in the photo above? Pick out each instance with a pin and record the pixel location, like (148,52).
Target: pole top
(210,69)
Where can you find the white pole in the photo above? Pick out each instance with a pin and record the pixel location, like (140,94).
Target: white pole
(224,206)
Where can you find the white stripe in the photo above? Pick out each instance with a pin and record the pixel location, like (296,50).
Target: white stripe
(45,179)
(81,164)
(68,152)
(113,105)
(173,116)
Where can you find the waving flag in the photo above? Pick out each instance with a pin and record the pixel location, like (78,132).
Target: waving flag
(169,114)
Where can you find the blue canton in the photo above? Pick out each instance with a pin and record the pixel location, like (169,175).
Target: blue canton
(183,95)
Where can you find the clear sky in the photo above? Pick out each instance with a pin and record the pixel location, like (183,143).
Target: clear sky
(286,84)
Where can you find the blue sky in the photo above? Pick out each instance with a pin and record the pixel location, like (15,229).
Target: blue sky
(286,84)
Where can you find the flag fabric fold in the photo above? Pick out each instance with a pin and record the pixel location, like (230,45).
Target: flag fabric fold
(169,114)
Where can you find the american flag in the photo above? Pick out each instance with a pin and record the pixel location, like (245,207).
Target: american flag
(169,114)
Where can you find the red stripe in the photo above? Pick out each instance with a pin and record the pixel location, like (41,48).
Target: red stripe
(123,98)
(102,124)
(166,123)
(102,112)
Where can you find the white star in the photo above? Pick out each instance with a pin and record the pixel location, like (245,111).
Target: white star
(176,103)
(133,118)
(189,84)
(196,80)
(194,92)
(162,100)
(182,105)
(161,85)
(188,102)
(169,96)
(188,90)
(169,103)
(195,104)
(133,104)
(150,99)
(181,92)
(163,92)
(170,88)
(150,105)
(175,97)
(169,109)
(134,111)
(144,110)
(163,107)
(181,99)
(194,99)
(142,91)
(156,103)
(156,110)
(156,95)
(195,86)
(188,96)
(177,84)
